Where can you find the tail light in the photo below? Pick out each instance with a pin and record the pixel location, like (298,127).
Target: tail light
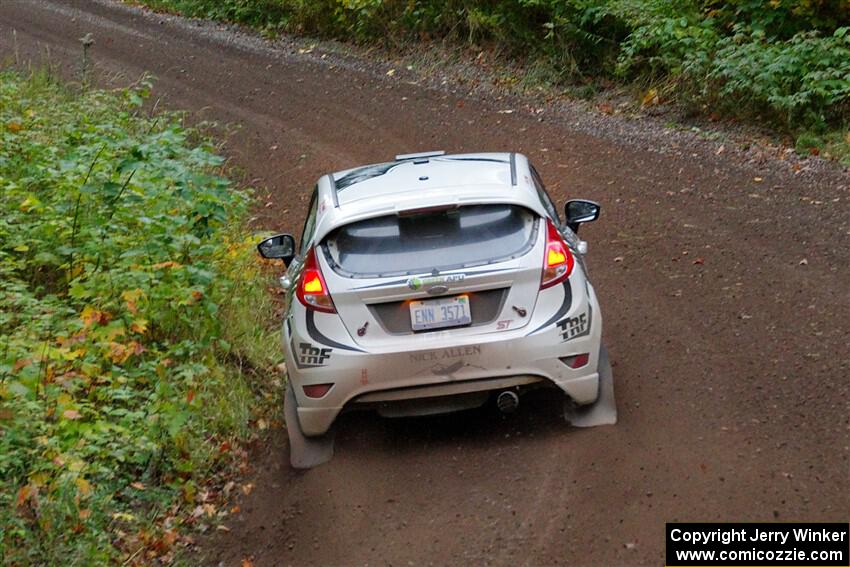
(317,390)
(576,361)
(557,260)
(312,290)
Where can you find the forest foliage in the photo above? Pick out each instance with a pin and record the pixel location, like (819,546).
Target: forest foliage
(785,62)
(128,292)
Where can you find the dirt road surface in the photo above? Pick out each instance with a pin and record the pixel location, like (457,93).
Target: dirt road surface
(726,302)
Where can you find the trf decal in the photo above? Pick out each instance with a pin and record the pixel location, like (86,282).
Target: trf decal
(573,327)
(310,356)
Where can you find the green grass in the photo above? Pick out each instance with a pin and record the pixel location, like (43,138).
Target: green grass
(135,343)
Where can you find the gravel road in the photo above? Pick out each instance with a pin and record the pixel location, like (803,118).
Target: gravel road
(725,286)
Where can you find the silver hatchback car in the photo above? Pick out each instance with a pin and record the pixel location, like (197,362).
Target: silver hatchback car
(433,283)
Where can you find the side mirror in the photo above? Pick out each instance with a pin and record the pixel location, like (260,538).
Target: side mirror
(579,211)
(278,247)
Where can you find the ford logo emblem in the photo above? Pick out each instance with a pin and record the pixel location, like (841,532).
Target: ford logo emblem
(437,290)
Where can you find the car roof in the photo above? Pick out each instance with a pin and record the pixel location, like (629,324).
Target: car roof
(424,180)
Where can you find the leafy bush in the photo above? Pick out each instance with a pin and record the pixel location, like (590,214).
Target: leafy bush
(125,283)
(804,80)
(786,60)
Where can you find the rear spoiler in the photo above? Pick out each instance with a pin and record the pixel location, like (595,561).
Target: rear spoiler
(421,155)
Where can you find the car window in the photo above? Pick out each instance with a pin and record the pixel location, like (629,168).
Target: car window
(310,223)
(544,196)
(444,239)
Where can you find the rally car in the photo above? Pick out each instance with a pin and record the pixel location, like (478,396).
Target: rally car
(434,283)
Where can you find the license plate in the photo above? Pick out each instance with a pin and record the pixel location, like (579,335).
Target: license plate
(439,313)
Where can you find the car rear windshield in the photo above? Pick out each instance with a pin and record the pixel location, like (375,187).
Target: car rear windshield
(435,239)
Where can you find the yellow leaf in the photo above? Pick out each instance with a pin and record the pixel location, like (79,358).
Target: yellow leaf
(131,297)
(123,516)
(14,127)
(114,333)
(39,479)
(90,316)
(83,486)
(29,204)
(139,326)
(21,248)
(651,97)
(118,353)
(73,354)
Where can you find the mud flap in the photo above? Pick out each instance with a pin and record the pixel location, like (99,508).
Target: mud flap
(304,452)
(604,410)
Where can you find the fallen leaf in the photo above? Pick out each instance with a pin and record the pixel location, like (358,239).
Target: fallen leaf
(758,179)
(24,494)
(247,488)
(130,297)
(247,563)
(391,72)
(139,326)
(84,514)
(699,262)
(804,262)
(71,414)
(83,486)
(137,485)
(119,353)
(90,316)
(651,97)
(618,259)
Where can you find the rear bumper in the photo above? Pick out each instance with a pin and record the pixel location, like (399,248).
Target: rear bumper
(440,365)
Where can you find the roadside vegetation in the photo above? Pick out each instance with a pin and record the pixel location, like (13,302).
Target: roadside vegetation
(785,63)
(135,347)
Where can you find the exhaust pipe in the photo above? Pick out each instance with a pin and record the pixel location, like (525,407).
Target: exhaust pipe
(507,402)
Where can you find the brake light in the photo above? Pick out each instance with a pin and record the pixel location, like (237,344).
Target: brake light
(312,290)
(558,261)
